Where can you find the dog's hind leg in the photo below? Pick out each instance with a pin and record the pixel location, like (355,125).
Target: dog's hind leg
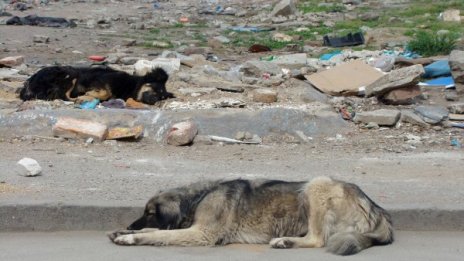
(319,193)
(192,236)
(101,94)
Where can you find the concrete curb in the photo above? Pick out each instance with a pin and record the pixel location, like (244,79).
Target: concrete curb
(60,217)
(314,120)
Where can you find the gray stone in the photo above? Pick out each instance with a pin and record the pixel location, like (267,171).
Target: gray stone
(456,108)
(456,61)
(383,117)
(222,39)
(395,79)
(410,117)
(196,91)
(40,39)
(30,167)
(128,42)
(432,114)
(284,8)
(258,68)
(301,91)
(129,60)
(451,95)
(292,61)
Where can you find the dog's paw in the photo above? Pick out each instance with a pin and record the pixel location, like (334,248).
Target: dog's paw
(281,243)
(125,240)
(117,233)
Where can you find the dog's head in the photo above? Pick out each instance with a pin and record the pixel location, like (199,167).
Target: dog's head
(163,211)
(153,87)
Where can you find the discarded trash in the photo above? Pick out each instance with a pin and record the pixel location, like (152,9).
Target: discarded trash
(328,56)
(97,58)
(88,105)
(252,29)
(184,20)
(348,40)
(436,69)
(347,113)
(455,143)
(349,78)
(447,82)
(40,21)
(268,58)
(114,104)
(212,58)
(133,104)
(125,133)
(259,48)
(31,167)
(229,140)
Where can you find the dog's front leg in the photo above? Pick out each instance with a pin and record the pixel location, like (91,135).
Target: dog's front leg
(178,237)
(117,233)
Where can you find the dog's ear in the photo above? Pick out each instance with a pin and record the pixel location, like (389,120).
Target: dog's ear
(157,75)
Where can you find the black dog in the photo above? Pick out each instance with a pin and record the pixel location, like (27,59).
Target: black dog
(73,83)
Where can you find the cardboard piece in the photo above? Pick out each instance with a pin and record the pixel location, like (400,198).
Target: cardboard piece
(349,78)
(125,133)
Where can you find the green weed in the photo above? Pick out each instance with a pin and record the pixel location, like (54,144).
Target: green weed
(430,44)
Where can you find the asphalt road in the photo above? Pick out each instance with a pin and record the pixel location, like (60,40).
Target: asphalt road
(93,245)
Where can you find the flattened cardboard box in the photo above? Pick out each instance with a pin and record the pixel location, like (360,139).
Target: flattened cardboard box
(345,79)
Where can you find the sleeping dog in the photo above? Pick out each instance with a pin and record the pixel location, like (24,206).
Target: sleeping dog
(83,84)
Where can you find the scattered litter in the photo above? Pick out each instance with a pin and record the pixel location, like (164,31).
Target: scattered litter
(114,104)
(35,20)
(436,69)
(89,105)
(455,143)
(447,82)
(31,167)
(97,58)
(133,104)
(349,78)
(348,40)
(125,133)
(328,56)
(231,141)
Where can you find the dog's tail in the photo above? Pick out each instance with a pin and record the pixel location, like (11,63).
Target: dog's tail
(352,242)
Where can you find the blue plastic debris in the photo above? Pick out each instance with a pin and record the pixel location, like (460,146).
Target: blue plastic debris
(328,56)
(447,82)
(455,143)
(89,104)
(437,69)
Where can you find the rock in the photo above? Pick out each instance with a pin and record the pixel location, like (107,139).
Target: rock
(222,39)
(280,37)
(264,96)
(451,15)
(301,91)
(291,61)
(258,68)
(31,167)
(12,61)
(284,8)
(128,42)
(383,117)
(456,62)
(76,128)
(168,64)
(432,114)
(369,16)
(372,125)
(410,117)
(129,60)
(456,108)
(182,133)
(413,139)
(395,79)
(40,39)
(402,96)
(451,95)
